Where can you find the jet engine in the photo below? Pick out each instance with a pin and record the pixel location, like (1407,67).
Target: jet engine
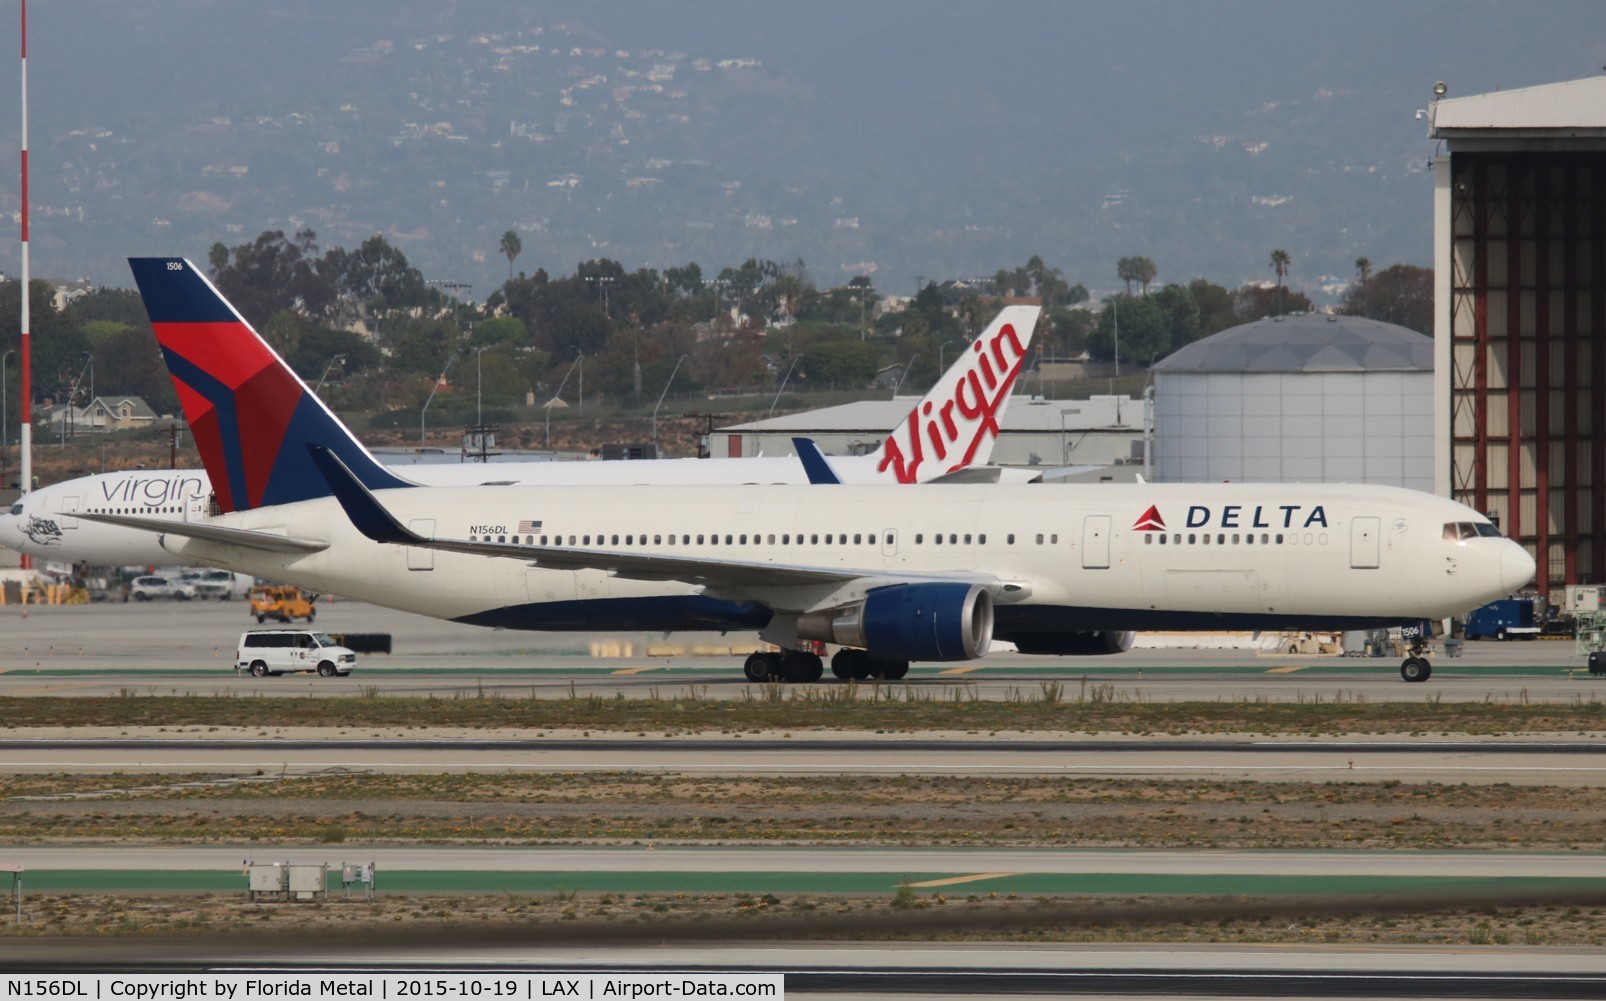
(1089,643)
(909,622)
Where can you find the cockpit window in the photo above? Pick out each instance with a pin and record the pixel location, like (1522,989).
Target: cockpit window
(16,508)
(1457,531)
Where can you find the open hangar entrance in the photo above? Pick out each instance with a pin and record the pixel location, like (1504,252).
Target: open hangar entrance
(1520,318)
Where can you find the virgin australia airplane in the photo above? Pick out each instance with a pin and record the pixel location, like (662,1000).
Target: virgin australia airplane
(948,433)
(892,574)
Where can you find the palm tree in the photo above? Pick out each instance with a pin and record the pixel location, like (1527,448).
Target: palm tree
(1363,270)
(1145,271)
(1279,263)
(512,246)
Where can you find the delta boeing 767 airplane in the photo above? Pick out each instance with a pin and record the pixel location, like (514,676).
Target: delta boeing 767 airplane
(890,574)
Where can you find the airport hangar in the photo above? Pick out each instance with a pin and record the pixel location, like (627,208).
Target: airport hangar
(1101,431)
(1519,223)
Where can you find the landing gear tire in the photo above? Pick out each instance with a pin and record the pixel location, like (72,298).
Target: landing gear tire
(760,668)
(802,668)
(891,670)
(850,664)
(1416,669)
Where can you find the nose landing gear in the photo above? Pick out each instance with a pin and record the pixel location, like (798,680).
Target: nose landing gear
(1416,666)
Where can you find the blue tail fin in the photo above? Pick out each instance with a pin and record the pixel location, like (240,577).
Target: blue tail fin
(252,417)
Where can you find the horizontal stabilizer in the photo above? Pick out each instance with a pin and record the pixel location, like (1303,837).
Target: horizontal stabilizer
(242,537)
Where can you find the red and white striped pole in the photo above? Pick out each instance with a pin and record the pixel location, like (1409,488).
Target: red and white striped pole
(25,425)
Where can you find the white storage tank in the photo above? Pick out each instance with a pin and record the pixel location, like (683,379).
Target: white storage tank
(1312,398)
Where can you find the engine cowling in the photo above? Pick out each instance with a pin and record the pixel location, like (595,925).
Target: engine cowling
(930,622)
(1087,643)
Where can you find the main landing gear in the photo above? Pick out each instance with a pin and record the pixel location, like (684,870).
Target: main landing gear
(1416,666)
(794,666)
(800,667)
(857,665)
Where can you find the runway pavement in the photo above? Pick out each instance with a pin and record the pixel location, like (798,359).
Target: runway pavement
(187,648)
(1569,763)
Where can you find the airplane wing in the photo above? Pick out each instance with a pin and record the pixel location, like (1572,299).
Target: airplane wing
(370,518)
(242,537)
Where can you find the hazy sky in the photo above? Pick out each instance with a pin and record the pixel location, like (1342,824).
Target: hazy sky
(1020,110)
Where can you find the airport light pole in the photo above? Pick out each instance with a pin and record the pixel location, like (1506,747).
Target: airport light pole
(864,292)
(602,282)
(336,360)
(5,432)
(423,414)
(942,349)
(660,403)
(556,396)
(784,381)
(73,395)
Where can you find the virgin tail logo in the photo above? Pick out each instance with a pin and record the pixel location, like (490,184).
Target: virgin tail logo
(1150,522)
(956,424)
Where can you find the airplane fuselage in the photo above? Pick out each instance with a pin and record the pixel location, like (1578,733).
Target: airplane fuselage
(1104,556)
(45,522)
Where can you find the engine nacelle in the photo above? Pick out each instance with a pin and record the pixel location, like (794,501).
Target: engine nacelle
(1089,643)
(910,622)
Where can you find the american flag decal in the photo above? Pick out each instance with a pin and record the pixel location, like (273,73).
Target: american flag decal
(529,526)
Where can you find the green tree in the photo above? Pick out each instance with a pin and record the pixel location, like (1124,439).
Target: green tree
(130,362)
(1216,305)
(1145,330)
(844,364)
(423,345)
(272,273)
(507,330)
(1400,293)
(376,282)
(512,246)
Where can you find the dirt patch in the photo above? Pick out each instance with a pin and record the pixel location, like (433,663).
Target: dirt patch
(403,921)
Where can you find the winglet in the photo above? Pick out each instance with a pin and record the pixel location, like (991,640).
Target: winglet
(957,422)
(250,414)
(366,513)
(814,462)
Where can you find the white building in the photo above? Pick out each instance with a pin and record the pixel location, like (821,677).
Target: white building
(1101,431)
(1300,398)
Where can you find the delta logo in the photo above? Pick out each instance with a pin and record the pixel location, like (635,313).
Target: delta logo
(1239,516)
(1150,522)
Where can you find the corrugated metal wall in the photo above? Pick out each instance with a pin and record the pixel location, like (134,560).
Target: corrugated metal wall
(1527,316)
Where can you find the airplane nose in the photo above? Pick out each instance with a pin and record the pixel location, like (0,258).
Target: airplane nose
(1516,567)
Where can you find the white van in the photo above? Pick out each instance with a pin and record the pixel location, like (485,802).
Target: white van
(219,584)
(274,651)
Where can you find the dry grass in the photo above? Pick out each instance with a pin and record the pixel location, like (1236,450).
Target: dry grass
(898,708)
(851,809)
